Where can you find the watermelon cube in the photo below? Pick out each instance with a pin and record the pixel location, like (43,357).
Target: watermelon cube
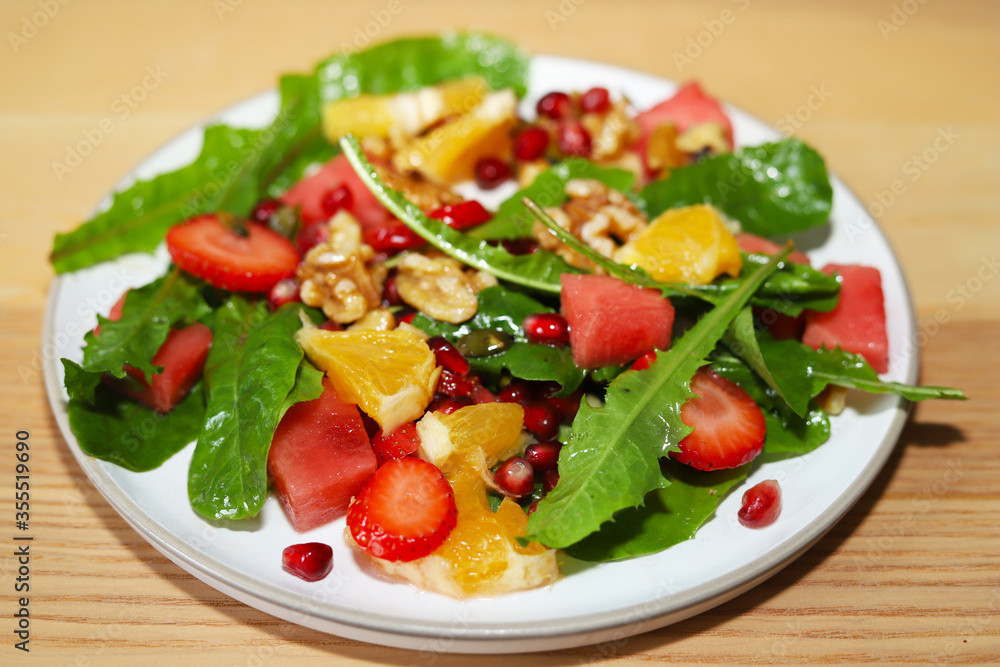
(857,324)
(320,458)
(182,357)
(612,322)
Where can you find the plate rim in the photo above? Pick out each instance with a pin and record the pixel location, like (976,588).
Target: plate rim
(476,637)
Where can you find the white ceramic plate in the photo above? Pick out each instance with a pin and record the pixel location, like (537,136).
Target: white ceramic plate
(589,604)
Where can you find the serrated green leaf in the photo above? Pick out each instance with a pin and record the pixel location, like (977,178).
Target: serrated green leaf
(667,516)
(845,369)
(114,428)
(250,372)
(149,313)
(612,459)
(539,270)
(774,188)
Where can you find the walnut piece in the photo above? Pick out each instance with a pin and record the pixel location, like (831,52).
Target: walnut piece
(426,194)
(439,287)
(611,132)
(601,217)
(334,276)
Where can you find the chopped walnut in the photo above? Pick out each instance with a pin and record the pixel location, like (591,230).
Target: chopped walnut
(439,287)
(380,319)
(426,194)
(601,217)
(611,132)
(527,172)
(334,276)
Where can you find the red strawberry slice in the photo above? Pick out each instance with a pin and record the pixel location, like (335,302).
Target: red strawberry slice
(207,248)
(405,512)
(728,426)
(401,442)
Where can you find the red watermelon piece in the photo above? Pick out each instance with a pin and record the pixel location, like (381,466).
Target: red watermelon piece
(759,245)
(612,322)
(182,357)
(857,324)
(320,458)
(308,195)
(690,106)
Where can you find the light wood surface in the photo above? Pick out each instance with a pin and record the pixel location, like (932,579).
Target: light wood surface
(910,575)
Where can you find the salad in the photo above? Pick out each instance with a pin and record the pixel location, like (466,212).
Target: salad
(590,366)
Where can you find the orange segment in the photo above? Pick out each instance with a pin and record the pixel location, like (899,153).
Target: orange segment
(405,113)
(449,153)
(391,375)
(481,556)
(689,245)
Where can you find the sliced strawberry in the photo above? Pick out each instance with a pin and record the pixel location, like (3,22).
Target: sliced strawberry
(401,442)
(206,247)
(728,426)
(405,512)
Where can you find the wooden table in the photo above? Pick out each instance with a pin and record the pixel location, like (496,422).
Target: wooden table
(911,574)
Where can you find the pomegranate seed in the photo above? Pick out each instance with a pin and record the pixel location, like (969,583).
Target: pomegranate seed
(541,419)
(521,246)
(311,236)
(595,100)
(392,237)
(264,209)
(543,456)
(390,293)
(491,172)
(336,199)
(481,394)
(549,480)
(555,105)
(644,362)
(515,477)
(573,139)
(284,291)
(531,143)
(761,504)
(518,391)
(330,325)
(547,329)
(448,405)
(532,507)
(406,315)
(462,216)
(453,384)
(310,561)
(448,356)
(568,406)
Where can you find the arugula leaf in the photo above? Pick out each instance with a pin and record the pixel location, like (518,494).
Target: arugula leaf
(148,315)
(612,459)
(790,290)
(539,270)
(774,188)
(250,371)
(408,64)
(667,516)
(790,380)
(786,432)
(513,220)
(111,427)
(845,369)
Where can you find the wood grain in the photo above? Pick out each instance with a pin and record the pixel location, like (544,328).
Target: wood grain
(910,576)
